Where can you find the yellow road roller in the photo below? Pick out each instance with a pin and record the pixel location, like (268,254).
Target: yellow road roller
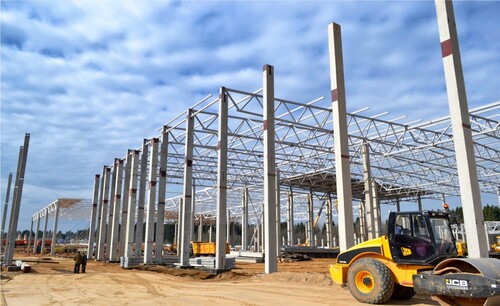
(418,254)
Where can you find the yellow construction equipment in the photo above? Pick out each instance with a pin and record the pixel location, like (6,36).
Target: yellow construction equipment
(200,248)
(418,254)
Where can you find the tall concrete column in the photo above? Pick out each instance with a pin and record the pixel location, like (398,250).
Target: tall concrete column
(104,214)
(16,200)
(185,226)
(244,222)
(193,208)
(362,222)
(278,214)
(398,206)
(30,235)
(329,232)
(162,188)
(54,229)
(462,135)
(35,241)
(118,178)
(200,227)
(419,202)
(126,198)
(368,205)
(111,206)
(5,207)
(271,259)
(150,222)
(132,202)
(221,230)
(210,233)
(342,165)
(99,211)
(376,205)
(228,227)
(310,219)
(290,223)
(93,217)
(44,233)
(139,231)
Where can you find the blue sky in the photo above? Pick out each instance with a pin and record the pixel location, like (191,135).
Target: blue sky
(90,79)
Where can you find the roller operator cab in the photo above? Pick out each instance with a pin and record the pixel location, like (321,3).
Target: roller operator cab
(384,268)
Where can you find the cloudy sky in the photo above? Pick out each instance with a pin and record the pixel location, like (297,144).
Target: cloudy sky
(90,79)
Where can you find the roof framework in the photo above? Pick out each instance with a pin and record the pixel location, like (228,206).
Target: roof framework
(69,209)
(408,158)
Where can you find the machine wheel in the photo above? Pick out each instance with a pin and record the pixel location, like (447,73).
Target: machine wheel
(402,292)
(370,281)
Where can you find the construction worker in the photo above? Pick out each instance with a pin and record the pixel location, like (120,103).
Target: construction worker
(78,261)
(84,262)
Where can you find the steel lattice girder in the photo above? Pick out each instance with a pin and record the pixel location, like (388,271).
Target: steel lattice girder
(407,159)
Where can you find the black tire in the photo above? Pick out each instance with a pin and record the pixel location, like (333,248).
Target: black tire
(402,293)
(370,281)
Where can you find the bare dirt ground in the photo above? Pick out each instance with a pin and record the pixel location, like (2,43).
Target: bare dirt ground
(52,282)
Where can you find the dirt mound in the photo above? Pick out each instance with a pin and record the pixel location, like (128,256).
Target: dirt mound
(319,279)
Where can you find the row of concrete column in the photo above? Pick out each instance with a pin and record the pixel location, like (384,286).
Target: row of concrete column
(119,200)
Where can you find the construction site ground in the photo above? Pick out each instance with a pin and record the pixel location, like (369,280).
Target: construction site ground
(52,282)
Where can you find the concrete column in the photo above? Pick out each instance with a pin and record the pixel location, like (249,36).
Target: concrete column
(462,135)
(30,235)
(290,223)
(132,201)
(244,222)
(419,202)
(176,236)
(398,206)
(44,233)
(16,200)
(278,214)
(111,210)
(210,233)
(362,222)
(93,217)
(5,207)
(228,227)
(310,217)
(368,204)
(193,208)
(126,197)
(54,229)
(35,241)
(180,215)
(221,230)
(200,227)
(99,211)
(271,264)
(113,241)
(329,231)
(162,188)
(104,213)
(376,205)
(342,165)
(139,231)
(187,202)
(150,222)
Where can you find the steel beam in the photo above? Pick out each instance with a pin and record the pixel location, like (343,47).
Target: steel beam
(114,246)
(271,264)
(104,214)
(462,135)
(187,203)
(132,201)
(139,231)
(162,188)
(150,222)
(54,229)
(342,165)
(221,230)
(93,217)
